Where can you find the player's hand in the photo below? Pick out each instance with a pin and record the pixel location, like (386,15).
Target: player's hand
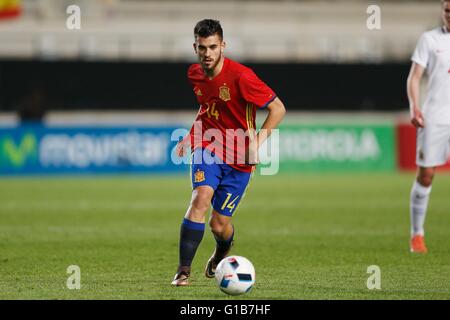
(251,154)
(417,118)
(182,145)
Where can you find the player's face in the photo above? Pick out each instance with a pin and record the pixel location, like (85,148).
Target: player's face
(209,51)
(446,14)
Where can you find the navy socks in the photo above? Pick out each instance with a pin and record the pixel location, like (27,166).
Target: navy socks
(191,234)
(223,246)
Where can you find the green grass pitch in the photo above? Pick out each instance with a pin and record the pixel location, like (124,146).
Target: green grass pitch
(309,236)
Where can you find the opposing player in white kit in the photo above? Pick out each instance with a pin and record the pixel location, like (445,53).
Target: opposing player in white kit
(432,121)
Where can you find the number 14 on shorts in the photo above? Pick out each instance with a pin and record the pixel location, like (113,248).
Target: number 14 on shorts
(229,205)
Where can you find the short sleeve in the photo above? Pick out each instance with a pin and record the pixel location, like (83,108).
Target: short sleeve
(254,90)
(422,52)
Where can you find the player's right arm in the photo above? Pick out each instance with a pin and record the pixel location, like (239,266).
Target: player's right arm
(182,145)
(413,88)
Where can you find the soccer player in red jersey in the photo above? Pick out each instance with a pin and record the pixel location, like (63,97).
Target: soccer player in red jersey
(222,162)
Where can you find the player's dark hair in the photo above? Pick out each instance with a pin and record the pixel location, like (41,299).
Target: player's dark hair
(208,27)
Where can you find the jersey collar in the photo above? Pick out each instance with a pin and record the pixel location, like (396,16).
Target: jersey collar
(225,64)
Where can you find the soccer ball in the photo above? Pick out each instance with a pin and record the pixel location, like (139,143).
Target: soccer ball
(235,275)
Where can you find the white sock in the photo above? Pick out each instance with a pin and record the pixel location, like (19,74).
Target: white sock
(418,207)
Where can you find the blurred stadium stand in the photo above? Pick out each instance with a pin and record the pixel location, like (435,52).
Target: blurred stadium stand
(133,55)
(282,31)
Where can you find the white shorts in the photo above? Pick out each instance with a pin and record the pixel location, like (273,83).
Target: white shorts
(433,144)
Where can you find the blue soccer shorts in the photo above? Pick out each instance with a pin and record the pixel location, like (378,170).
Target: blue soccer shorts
(228,183)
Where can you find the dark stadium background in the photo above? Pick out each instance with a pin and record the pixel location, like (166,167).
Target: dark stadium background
(148,86)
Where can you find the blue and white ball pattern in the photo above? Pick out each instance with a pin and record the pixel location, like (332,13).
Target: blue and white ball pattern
(235,275)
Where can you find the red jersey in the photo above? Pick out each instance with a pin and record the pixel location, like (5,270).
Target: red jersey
(228,101)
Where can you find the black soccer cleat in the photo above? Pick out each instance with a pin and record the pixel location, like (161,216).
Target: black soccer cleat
(211,265)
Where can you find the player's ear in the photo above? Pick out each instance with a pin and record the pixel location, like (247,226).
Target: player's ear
(195,46)
(223,45)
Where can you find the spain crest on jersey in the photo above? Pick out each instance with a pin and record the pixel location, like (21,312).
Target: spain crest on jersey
(199,176)
(224,93)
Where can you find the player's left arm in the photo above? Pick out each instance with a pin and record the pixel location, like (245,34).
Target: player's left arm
(277,112)
(258,93)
